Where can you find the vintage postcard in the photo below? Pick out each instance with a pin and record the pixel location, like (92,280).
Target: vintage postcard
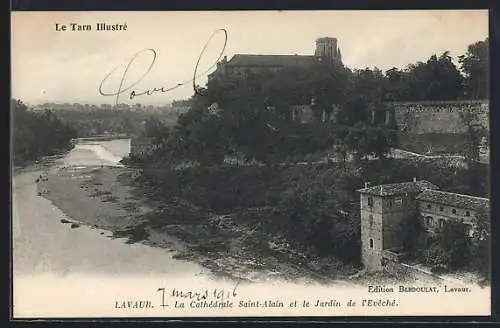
(250,163)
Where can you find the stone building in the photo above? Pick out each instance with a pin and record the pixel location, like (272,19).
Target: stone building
(327,51)
(240,65)
(438,207)
(384,207)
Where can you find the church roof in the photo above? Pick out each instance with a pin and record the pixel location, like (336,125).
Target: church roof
(393,189)
(271,60)
(452,199)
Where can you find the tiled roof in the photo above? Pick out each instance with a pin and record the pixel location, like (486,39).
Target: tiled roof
(459,200)
(398,188)
(271,60)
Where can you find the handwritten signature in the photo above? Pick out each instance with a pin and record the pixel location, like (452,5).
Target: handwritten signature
(133,93)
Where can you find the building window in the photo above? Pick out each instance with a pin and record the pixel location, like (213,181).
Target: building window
(370,201)
(467,213)
(442,222)
(454,211)
(371,243)
(441,208)
(399,201)
(429,221)
(429,206)
(371,220)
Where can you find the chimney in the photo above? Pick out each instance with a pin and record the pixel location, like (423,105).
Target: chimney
(414,179)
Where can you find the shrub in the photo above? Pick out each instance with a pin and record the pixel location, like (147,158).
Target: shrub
(437,258)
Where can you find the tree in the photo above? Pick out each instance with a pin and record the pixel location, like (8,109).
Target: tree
(476,65)
(340,146)
(156,131)
(396,86)
(453,239)
(363,140)
(330,84)
(152,127)
(476,130)
(36,135)
(368,84)
(481,244)
(436,79)
(447,82)
(126,124)
(311,212)
(437,258)
(414,235)
(354,110)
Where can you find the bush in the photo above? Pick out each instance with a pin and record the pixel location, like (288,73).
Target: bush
(437,258)
(455,242)
(413,235)
(315,207)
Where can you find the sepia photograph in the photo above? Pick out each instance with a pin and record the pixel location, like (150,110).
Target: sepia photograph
(250,163)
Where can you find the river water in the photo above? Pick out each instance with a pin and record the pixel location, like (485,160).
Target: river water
(44,247)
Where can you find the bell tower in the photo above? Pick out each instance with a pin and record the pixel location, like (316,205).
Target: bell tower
(327,51)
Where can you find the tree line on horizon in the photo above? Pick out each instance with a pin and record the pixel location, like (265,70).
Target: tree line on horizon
(109,109)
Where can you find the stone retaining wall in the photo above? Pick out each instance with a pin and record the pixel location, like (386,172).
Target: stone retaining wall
(438,116)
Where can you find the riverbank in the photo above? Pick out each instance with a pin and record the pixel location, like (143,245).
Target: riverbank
(107,198)
(233,245)
(110,199)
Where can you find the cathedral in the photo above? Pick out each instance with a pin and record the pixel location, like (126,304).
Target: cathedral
(327,50)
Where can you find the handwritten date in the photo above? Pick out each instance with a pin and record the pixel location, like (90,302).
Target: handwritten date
(215,294)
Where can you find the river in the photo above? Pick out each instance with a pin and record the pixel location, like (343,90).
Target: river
(44,247)
(41,244)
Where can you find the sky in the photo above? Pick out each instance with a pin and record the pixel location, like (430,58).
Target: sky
(69,66)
